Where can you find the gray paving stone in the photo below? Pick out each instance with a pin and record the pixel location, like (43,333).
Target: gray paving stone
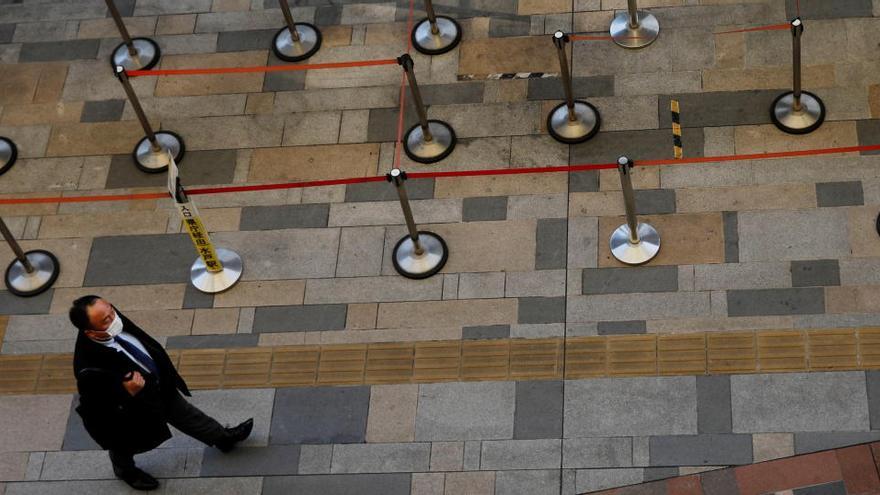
(381,458)
(195,299)
(274,460)
(382,124)
(867,131)
(311,317)
(538,410)
(607,147)
(92,464)
(241,41)
(827,237)
(320,415)
(75,435)
(621,327)
(59,50)
(532,482)
(211,341)
(533,310)
(550,243)
(125,7)
(315,459)
(701,450)
(719,109)
(815,273)
(840,194)
(655,201)
(731,237)
(586,181)
(805,443)
(582,453)
(628,280)
(11,304)
(485,332)
(819,9)
(465,411)
(197,168)
(719,482)
(340,484)
(383,191)
(590,480)
(630,406)
(713,404)
(139,259)
(799,402)
(6,32)
(546,283)
(102,111)
(279,217)
(177,486)
(471,460)
(655,474)
(284,80)
(550,88)
(231,407)
(484,209)
(833,488)
(328,15)
(760,302)
(502,27)
(873,387)
(521,454)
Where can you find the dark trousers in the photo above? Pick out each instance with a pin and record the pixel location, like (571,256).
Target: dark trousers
(185,417)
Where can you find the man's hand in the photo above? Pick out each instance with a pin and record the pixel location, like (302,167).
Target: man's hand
(133,383)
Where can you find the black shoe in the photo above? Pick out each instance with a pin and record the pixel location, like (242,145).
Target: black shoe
(234,435)
(137,479)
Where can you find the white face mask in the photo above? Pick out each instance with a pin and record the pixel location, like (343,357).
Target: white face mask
(115,327)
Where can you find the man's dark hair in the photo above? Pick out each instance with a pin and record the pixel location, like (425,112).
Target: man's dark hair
(79,311)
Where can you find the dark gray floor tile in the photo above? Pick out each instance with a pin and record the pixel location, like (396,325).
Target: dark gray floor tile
(538,412)
(339,484)
(196,168)
(195,299)
(382,123)
(727,108)
(833,488)
(125,7)
(303,216)
(6,32)
(607,147)
(274,319)
(713,404)
(815,273)
(242,41)
(767,302)
(484,209)
(868,132)
(501,27)
(328,15)
(536,310)
(551,241)
(627,280)
(805,443)
(11,304)
(486,332)
(102,111)
(140,259)
(53,51)
(731,237)
(586,181)
(274,460)
(384,191)
(655,474)
(320,415)
(550,88)
(75,436)
(840,193)
(212,341)
(873,385)
(719,482)
(823,9)
(701,450)
(622,327)
(655,201)
(285,80)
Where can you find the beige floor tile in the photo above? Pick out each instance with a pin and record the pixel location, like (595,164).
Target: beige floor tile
(685,239)
(862,232)
(215,321)
(448,313)
(314,162)
(126,298)
(212,84)
(819,76)
(104,224)
(104,138)
(500,55)
(470,483)
(41,113)
(771,197)
(769,446)
(392,415)
(262,293)
(767,138)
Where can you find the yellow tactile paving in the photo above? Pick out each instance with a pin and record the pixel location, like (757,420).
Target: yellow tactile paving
(481,360)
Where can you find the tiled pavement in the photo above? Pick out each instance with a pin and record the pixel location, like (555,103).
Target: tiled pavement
(766,266)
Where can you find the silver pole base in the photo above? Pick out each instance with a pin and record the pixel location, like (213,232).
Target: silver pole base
(147,57)
(567,131)
(635,254)
(293,51)
(153,162)
(809,118)
(24,284)
(642,36)
(447,37)
(439,147)
(417,266)
(214,282)
(8,154)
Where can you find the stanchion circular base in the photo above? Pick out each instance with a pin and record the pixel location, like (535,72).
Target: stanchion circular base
(417,266)
(439,147)
(8,154)
(642,36)
(567,131)
(24,284)
(147,57)
(803,121)
(214,282)
(635,254)
(154,162)
(445,39)
(293,51)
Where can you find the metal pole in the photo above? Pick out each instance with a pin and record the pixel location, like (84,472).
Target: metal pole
(560,39)
(288,17)
(138,110)
(123,31)
(797,28)
(633,14)
(432,18)
(624,166)
(399,177)
(19,254)
(407,62)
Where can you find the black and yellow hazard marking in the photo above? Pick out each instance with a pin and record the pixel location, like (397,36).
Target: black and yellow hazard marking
(676,128)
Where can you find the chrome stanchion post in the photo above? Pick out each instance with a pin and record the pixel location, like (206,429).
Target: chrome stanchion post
(8,154)
(632,243)
(30,273)
(133,53)
(297,40)
(435,34)
(428,141)
(634,28)
(798,111)
(574,121)
(151,153)
(419,254)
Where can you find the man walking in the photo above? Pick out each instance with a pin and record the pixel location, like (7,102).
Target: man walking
(130,392)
